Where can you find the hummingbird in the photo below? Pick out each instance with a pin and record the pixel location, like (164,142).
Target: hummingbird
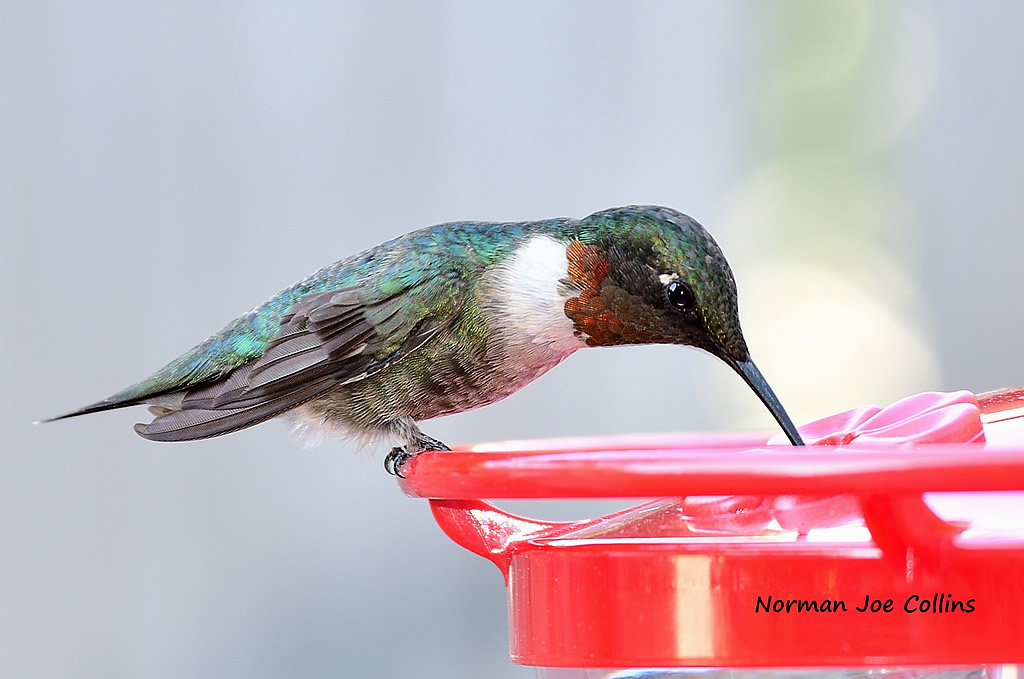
(450,318)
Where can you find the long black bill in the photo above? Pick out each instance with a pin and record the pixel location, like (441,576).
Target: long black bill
(753,377)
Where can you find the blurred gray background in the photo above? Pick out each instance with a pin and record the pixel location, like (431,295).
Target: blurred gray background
(165,166)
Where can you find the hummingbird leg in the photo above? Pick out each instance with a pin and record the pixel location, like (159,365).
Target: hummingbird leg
(399,455)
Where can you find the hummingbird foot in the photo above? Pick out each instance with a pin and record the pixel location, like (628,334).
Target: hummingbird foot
(426,443)
(394,461)
(399,455)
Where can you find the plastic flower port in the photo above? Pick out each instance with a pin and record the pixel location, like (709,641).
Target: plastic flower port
(930,417)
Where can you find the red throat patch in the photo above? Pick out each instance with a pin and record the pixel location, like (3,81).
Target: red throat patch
(589,313)
(606,313)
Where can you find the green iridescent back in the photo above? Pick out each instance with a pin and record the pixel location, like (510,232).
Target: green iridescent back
(433,263)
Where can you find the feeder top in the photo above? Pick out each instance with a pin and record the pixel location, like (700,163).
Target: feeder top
(759,555)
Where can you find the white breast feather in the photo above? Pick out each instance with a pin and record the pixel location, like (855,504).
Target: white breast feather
(531,292)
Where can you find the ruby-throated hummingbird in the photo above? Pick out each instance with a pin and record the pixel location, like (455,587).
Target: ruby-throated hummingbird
(449,318)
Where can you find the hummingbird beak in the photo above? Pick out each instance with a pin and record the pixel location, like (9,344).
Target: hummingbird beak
(753,377)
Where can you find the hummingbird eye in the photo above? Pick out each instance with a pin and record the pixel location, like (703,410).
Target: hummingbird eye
(680,295)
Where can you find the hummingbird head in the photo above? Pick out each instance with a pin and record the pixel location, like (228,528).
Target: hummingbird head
(652,275)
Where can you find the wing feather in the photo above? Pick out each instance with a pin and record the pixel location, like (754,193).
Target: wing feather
(198,423)
(325,340)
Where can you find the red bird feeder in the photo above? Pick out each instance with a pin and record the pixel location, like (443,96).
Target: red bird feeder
(882,547)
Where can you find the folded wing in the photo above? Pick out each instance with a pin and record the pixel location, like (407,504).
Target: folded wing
(328,339)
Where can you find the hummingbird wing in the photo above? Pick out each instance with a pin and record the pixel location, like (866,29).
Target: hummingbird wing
(326,340)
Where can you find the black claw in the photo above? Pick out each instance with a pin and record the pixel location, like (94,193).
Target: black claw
(394,460)
(398,456)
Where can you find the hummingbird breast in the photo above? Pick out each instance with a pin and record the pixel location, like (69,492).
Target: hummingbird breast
(511,331)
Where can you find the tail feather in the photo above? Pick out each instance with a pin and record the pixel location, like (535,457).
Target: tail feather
(208,361)
(112,403)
